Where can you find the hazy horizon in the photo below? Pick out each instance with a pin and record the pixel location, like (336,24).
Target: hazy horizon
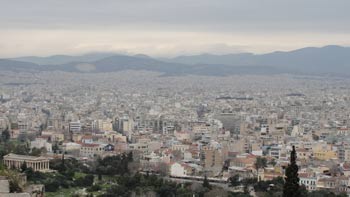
(130,53)
(166,28)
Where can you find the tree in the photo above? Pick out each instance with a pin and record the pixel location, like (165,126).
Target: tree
(291,186)
(14,180)
(51,186)
(325,193)
(234,180)
(24,166)
(31,175)
(55,148)
(130,156)
(166,190)
(273,162)
(85,181)
(271,188)
(21,149)
(113,165)
(62,167)
(5,135)
(36,152)
(94,188)
(216,192)
(260,162)
(247,182)
(14,186)
(206,182)
(117,190)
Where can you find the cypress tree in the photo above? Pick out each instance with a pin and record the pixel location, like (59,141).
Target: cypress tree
(5,135)
(24,167)
(130,156)
(62,168)
(291,186)
(206,183)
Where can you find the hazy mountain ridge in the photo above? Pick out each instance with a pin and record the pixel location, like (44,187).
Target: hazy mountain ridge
(325,60)
(332,60)
(63,59)
(12,65)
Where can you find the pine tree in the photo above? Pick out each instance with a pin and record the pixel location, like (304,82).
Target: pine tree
(63,160)
(260,162)
(206,182)
(24,166)
(130,156)
(291,186)
(62,167)
(5,135)
(55,148)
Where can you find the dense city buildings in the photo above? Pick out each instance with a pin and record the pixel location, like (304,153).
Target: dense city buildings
(184,98)
(184,126)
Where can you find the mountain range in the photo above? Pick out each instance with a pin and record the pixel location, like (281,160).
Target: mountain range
(328,60)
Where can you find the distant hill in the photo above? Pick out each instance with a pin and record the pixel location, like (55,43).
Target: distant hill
(228,59)
(11,65)
(63,59)
(123,62)
(328,60)
(311,60)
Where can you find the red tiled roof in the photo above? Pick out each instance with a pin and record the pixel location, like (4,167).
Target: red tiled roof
(90,145)
(86,137)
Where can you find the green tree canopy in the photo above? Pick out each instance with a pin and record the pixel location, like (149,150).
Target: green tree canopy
(234,180)
(206,183)
(260,162)
(5,135)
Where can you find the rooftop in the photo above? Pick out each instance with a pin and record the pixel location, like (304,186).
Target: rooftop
(23,157)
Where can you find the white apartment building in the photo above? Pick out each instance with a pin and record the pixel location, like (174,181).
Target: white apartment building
(75,126)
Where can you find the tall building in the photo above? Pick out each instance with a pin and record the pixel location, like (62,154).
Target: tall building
(75,126)
(213,158)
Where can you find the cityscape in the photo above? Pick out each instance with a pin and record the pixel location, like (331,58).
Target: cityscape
(110,123)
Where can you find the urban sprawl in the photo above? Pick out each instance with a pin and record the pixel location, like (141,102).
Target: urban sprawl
(181,128)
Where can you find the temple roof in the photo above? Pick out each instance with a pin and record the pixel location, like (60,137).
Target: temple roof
(12,156)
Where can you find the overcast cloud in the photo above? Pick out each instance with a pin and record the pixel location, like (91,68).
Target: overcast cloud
(170,27)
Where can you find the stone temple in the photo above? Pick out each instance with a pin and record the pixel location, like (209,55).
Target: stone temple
(36,163)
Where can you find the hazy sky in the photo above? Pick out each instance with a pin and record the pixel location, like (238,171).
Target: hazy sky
(169,27)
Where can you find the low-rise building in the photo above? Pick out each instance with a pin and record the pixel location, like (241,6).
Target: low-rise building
(36,163)
(91,150)
(308,180)
(41,143)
